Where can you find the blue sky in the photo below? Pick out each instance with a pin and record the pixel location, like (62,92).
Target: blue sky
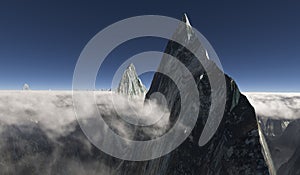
(258,42)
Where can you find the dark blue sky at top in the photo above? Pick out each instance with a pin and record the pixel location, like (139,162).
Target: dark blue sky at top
(258,42)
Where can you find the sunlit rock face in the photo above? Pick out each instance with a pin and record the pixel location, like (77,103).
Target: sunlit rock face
(235,148)
(130,83)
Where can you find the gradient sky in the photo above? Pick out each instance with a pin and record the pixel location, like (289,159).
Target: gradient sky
(258,42)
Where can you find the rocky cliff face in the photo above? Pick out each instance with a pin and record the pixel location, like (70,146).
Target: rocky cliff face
(286,150)
(283,144)
(235,148)
(130,83)
(279,123)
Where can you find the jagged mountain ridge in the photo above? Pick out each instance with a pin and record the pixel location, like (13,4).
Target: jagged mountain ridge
(235,148)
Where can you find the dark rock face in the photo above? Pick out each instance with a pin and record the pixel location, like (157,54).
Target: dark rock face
(289,141)
(282,139)
(235,147)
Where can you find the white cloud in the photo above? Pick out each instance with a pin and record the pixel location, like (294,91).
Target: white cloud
(40,125)
(276,105)
(53,110)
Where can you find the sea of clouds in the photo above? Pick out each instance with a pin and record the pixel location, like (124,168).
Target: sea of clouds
(276,105)
(40,134)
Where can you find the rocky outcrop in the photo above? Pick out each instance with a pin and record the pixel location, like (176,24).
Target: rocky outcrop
(130,83)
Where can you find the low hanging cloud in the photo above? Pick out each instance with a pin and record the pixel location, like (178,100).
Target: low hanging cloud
(134,109)
(53,110)
(276,105)
(40,133)
(48,109)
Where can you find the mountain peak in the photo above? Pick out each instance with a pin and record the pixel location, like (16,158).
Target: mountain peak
(131,67)
(221,156)
(26,87)
(130,83)
(185,19)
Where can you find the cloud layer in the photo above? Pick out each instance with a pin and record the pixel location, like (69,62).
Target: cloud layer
(40,134)
(276,105)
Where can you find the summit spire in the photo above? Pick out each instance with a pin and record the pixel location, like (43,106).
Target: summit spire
(131,84)
(186,20)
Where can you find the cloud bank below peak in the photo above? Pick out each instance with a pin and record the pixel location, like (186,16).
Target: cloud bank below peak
(276,105)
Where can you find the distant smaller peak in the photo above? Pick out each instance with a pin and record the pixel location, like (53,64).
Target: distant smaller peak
(26,87)
(185,19)
(130,84)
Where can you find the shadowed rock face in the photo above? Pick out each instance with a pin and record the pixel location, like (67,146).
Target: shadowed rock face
(278,116)
(235,147)
(288,142)
(282,139)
